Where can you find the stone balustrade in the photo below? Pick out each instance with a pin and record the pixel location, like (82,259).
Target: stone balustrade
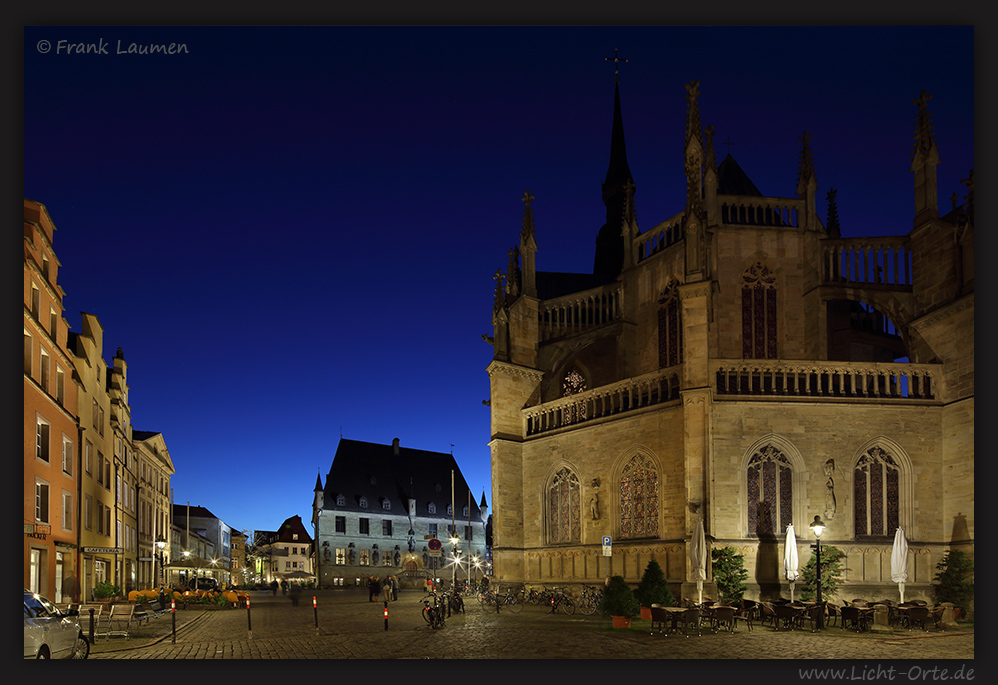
(580,311)
(825,379)
(867,261)
(609,400)
(749,210)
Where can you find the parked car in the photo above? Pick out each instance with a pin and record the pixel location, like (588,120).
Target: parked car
(51,633)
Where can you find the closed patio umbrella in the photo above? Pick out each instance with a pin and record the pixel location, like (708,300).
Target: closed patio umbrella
(791,563)
(698,557)
(899,561)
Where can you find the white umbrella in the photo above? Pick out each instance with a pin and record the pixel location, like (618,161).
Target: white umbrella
(698,557)
(899,561)
(791,563)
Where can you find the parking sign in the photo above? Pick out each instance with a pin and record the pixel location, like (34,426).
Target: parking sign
(607,546)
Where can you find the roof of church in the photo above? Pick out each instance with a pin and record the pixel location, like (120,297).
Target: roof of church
(731,180)
(373,472)
(551,284)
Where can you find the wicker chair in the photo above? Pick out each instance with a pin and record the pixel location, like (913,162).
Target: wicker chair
(660,617)
(917,617)
(767,614)
(854,619)
(786,615)
(723,617)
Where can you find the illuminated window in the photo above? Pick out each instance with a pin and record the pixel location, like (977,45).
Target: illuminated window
(876,484)
(770,492)
(341,556)
(759,312)
(564,507)
(639,498)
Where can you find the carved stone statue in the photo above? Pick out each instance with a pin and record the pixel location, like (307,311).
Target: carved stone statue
(594,501)
(830,489)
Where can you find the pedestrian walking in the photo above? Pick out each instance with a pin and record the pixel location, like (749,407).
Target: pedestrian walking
(284,587)
(273,587)
(395,588)
(386,589)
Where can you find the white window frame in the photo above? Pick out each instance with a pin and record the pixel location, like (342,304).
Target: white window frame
(43,434)
(67,455)
(42,501)
(67,510)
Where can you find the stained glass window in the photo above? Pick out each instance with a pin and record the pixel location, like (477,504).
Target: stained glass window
(564,507)
(574,383)
(876,493)
(670,331)
(770,492)
(639,498)
(759,313)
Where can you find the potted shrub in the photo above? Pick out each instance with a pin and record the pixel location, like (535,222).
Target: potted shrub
(653,589)
(106,592)
(619,602)
(954,582)
(728,569)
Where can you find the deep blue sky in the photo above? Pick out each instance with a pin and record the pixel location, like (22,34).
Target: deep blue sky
(292,232)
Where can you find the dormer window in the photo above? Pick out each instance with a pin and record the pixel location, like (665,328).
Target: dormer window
(464,511)
(386,504)
(363,502)
(449,510)
(340,500)
(431,508)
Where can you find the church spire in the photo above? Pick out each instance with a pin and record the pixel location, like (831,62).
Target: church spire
(610,239)
(805,169)
(528,248)
(924,159)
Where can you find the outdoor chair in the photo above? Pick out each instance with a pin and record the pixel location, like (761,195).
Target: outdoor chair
(917,617)
(810,614)
(767,613)
(832,612)
(854,619)
(724,617)
(660,617)
(936,617)
(691,619)
(786,616)
(120,620)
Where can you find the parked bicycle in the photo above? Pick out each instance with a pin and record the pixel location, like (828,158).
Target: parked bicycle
(453,601)
(433,612)
(590,599)
(560,600)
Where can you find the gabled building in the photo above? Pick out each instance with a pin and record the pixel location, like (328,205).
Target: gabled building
(381,508)
(51,437)
(741,364)
(285,553)
(155,496)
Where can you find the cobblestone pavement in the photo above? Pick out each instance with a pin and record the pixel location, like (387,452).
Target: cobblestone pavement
(343,624)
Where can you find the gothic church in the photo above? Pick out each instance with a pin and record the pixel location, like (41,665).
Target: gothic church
(744,364)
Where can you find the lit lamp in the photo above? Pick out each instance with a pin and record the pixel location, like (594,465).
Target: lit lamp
(161,545)
(454,552)
(818,527)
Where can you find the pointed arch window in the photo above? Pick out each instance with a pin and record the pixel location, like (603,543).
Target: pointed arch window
(770,492)
(564,507)
(572,384)
(670,330)
(639,498)
(759,312)
(876,487)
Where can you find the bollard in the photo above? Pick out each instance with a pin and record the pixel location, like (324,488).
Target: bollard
(249,620)
(91,625)
(173,616)
(315,609)
(386,614)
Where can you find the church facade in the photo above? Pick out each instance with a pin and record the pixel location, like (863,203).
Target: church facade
(744,364)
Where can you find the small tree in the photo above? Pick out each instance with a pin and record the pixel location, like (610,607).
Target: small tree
(831,572)
(653,588)
(728,567)
(103,590)
(619,599)
(953,580)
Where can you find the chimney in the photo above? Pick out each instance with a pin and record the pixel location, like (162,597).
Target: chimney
(395,446)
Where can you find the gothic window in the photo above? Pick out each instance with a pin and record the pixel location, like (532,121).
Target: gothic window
(573,384)
(876,483)
(770,492)
(639,498)
(564,507)
(670,331)
(758,312)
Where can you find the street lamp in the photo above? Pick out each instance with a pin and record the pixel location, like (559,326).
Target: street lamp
(161,545)
(454,552)
(818,527)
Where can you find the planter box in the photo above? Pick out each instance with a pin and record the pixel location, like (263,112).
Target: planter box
(621,622)
(645,613)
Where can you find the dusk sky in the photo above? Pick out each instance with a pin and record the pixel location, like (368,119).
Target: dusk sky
(292,232)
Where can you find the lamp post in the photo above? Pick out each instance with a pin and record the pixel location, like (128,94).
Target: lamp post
(818,527)
(160,545)
(453,552)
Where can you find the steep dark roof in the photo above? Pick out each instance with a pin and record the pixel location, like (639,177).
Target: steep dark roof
(291,526)
(731,180)
(180,512)
(551,284)
(373,471)
(143,435)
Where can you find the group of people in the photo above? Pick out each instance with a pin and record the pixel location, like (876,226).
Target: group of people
(387,588)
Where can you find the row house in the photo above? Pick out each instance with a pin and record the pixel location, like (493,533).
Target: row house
(155,467)
(284,554)
(197,523)
(51,453)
